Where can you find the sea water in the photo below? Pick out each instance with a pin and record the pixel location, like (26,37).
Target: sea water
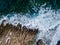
(47,21)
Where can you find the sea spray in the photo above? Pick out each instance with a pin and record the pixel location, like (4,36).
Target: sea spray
(47,21)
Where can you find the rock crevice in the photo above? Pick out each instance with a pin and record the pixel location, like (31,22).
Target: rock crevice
(16,35)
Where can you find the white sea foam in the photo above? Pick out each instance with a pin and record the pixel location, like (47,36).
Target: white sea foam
(47,21)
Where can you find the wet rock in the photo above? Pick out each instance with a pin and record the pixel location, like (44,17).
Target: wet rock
(3,23)
(2,27)
(24,29)
(14,35)
(58,43)
(40,42)
(19,26)
(8,26)
(33,31)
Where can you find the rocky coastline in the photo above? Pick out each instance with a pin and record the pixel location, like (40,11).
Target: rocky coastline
(16,35)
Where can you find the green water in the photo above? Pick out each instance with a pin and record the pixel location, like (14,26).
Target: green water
(24,6)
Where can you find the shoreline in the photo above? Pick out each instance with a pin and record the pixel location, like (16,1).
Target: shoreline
(16,35)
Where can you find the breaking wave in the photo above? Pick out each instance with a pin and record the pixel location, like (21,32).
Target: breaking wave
(47,21)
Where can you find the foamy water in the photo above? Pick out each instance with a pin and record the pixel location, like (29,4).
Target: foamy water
(47,21)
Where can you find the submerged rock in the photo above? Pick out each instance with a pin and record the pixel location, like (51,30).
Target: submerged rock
(16,35)
(40,42)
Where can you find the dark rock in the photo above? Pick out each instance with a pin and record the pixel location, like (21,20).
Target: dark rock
(19,26)
(58,43)
(14,35)
(35,31)
(3,23)
(25,28)
(8,26)
(40,42)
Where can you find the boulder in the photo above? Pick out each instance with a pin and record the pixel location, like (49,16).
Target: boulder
(17,35)
(39,42)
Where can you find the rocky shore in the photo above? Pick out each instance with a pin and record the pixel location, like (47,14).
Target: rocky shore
(16,35)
